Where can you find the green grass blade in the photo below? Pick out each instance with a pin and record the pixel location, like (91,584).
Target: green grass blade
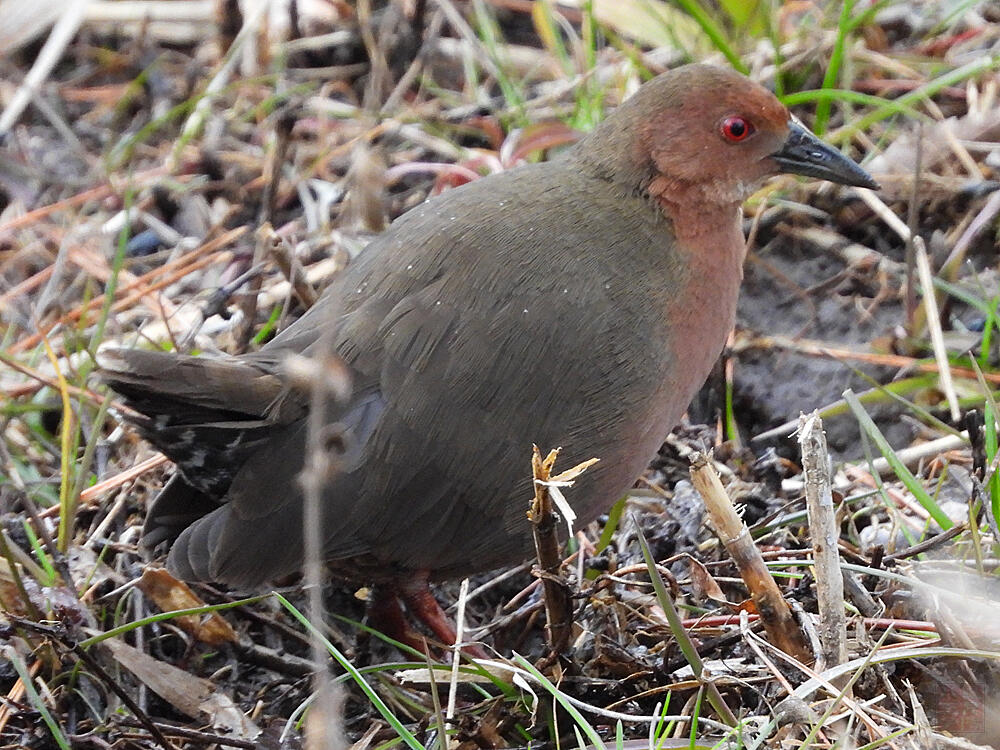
(578,718)
(684,642)
(846,95)
(714,32)
(928,90)
(833,68)
(14,659)
(162,616)
(912,484)
(376,700)
(614,518)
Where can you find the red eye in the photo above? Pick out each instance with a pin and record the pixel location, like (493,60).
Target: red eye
(736,129)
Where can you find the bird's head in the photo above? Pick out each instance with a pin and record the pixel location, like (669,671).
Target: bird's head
(710,132)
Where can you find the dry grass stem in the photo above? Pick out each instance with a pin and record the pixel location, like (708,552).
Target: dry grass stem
(328,381)
(544,522)
(284,258)
(823,349)
(59,39)
(774,611)
(915,454)
(824,530)
(934,327)
(885,213)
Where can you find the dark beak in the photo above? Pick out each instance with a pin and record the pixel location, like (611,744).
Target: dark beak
(803,153)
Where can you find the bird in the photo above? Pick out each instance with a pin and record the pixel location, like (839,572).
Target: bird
(579,302)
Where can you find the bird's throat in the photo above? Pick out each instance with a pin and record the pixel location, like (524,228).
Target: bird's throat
(698,211)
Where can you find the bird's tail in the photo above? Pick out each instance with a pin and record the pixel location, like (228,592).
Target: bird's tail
(205,414)
(189,389)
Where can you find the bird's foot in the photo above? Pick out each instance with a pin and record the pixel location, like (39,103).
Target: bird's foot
(386,613)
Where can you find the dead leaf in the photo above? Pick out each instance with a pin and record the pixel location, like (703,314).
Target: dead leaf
(192,696)
(169,594)
(704,584)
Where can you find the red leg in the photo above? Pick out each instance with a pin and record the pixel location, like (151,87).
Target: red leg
(421,603)
(385,614)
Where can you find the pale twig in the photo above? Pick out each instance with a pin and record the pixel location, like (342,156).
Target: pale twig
(456,654)
(823,532)
(813,348)
(744,620)
(983,219)
(329,381)
(934,327)
(60,36)
(884,213)
(961,153)
(914,454)
(119,479)
(284,258)
(476,48)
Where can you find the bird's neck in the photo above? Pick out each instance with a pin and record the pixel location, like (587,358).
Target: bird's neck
(710,246)
(698,211)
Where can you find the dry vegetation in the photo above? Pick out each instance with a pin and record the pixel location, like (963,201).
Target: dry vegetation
(146,143)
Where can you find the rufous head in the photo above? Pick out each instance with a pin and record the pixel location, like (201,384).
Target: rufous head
(708,133)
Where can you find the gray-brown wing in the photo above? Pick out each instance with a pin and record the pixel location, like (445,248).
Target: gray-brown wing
(456,338)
